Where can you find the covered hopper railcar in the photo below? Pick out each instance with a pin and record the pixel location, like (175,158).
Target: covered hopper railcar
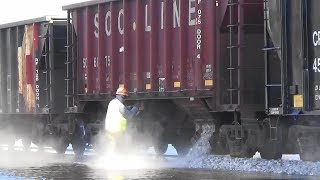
(292,78)
(291,66)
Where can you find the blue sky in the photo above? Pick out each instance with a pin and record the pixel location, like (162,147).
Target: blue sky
(16,10)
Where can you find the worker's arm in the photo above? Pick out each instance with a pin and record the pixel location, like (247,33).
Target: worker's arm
(128,113)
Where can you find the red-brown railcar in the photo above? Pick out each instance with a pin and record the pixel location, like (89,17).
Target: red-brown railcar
(185,60)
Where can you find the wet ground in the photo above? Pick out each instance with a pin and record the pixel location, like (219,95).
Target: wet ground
(32,165)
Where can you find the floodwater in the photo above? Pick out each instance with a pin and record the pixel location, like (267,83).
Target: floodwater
(35,165)
(81,171)
(45,164)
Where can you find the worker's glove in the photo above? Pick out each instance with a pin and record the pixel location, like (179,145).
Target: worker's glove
(134,110)
(129,107)
(139,106)
(138,113)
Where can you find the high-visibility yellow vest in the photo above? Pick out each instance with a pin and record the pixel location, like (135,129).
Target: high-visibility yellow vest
(115,122)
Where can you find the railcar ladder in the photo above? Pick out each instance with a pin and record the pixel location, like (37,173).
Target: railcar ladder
(267,48)
(47,54)
(233,68)
(236,44)
(46,70)
(70,79)
(49,66)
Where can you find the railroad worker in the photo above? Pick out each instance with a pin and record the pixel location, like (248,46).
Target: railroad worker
(116,118)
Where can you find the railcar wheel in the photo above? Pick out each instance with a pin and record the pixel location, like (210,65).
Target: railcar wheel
(185,141)
(40,148)
(61,145)
(160,148)
(78,146)
(307,156)
(99,148)
(11,142)
(26,143)
(239,147)
(100,144)
(182,150)
(308,148)
(182,147)
(218,144)
(310,156)
(243,154)
(78,142)
(271,150)
(241,151)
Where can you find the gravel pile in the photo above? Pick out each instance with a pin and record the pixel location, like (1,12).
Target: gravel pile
(291,167)
(198,158)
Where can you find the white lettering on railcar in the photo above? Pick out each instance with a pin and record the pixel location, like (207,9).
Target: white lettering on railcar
(199,40)
(121,14)
(316,65)
(316,38)
(192,10)
(37,75)
(84,63)
(108,61)
(198,20)
(317,91)
(194,17)
(37,71)
(162,14)
(37,85)
(199,32)
(37,92)
(108,23)
(316,42)
(96,25)
(95,62)
(147,26)
(176,14)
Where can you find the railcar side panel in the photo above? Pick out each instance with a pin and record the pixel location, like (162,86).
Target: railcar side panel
(18,53)
(32,60)
(147,46)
